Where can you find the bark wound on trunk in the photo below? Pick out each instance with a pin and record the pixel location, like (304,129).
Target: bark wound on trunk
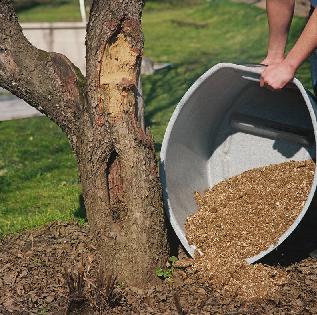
(118,75)
(115,188)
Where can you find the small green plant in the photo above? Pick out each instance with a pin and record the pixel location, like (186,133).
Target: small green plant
(166,273)
(42,311)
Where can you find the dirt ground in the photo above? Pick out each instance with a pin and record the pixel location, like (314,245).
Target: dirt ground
(54,270)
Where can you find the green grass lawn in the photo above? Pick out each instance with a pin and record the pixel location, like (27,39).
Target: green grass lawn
(38,177)
(38,180)
(53,12)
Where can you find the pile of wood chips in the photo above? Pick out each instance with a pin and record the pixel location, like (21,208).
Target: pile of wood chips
(242,216)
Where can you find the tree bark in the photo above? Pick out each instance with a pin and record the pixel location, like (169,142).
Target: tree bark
(99,114)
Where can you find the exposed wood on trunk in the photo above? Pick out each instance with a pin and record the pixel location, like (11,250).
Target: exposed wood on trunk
(115,187)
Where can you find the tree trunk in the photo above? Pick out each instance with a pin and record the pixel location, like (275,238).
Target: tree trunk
(115,155)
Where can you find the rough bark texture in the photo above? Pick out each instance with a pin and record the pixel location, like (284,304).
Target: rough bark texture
(99,114)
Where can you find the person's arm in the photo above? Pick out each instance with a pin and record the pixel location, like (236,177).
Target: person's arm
(279,14)
(277,76)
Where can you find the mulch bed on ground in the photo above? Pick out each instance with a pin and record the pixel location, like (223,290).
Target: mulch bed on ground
(37,268)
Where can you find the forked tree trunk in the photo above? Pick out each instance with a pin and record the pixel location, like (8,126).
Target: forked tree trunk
(99,114)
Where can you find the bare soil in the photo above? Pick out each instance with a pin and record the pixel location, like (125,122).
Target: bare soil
(54,270)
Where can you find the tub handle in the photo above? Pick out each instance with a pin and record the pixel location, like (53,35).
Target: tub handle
(249,78)
(253,65)
(272,129)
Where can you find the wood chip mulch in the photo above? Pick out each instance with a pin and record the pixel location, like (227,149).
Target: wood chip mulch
(33,281)
(243,216)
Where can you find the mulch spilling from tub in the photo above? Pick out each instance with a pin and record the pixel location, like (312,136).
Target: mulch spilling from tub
(242,216)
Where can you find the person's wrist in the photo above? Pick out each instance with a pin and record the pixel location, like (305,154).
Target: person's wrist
(290,64)
(273,59)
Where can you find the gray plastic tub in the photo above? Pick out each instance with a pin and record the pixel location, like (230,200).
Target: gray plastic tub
(226,124)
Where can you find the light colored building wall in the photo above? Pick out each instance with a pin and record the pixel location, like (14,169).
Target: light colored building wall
(67,38)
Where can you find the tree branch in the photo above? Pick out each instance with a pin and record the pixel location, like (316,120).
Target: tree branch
(47,81)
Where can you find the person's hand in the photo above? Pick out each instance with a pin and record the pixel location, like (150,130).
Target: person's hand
(276,76)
